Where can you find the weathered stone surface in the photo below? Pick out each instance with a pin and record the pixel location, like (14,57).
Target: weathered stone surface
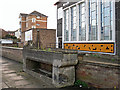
(64,76)
(12,53)
(63,70)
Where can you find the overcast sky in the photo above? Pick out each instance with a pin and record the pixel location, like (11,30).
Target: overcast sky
(10,10)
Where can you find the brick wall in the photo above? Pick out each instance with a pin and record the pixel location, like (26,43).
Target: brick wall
(46,37)
(42,21)
(13,53)
(23,24)
(100,74)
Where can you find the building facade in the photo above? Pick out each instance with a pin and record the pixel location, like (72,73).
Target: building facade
(32,21)
(89,25)
(11,33)
(18,33)
(45,38)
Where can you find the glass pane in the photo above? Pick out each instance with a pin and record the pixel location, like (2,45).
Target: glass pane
(107,11)
(74,26)
(106,31)
(92,1)
(82,10)
(66,26)
(82,25)
(107,21)
(93,22)
(82,18)
(107,3)
(93,15)
(111,5)
(111,25)
(111,15)
(93,7)
(83,4)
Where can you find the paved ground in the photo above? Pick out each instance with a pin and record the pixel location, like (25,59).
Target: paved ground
(14,77)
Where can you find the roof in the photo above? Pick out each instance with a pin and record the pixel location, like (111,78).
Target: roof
(60,1)
(23,14)
(37,14)
(33,13)
(11,31)
(56,2)
(2,30)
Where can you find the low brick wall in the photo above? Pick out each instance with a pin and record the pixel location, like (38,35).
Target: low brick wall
(98,72)
(12,53)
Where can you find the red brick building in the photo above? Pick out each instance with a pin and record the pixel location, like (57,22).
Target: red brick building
(31,24)
(45,37)
(32,20)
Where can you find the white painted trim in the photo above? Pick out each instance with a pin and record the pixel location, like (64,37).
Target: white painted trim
(69,24)
(89,42)
(96,52)
(114,25)
(23,21)
(99,21)
(87,19)
(63,31)
(77,22)
(74,4)
(42,20)
(113,32)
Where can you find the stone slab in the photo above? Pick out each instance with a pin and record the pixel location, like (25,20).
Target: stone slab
(17,78)
(22,83)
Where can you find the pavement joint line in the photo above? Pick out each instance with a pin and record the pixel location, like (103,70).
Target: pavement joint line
(25,82)
(7,85)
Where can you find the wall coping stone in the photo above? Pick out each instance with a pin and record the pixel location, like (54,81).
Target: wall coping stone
(98,63)
(11,47)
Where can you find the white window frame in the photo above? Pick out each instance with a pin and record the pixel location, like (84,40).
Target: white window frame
(33,26)
(33,19)
(59,13)
(87,25)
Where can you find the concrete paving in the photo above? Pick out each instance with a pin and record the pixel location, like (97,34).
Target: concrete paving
(14,77)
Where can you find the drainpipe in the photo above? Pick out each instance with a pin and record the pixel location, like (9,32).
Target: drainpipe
(38,39)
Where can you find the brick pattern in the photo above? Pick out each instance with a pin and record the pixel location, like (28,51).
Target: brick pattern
(39,22)
(46,37)
(98,75)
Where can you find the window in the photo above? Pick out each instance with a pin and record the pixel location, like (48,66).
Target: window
(26,24)
(33,19)
(82,26)
(38,17)
(60,12)
(38,24)
(93,20)
(66,23)
(33,26)
(73,24)
(107,20)
(79,11)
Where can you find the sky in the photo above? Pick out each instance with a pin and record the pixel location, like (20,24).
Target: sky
(10,10)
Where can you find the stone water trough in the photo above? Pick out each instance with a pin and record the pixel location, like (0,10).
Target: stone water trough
(57,68)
